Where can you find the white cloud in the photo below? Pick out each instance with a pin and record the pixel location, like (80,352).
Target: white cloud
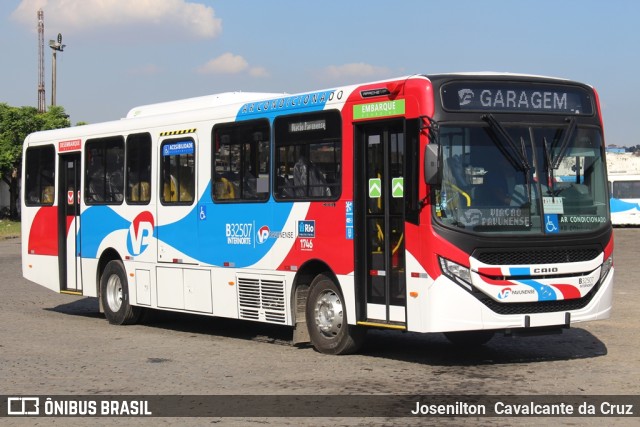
(259,72)
(123,19)
(358,70)
(227,63)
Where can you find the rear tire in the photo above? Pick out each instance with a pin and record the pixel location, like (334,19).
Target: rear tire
(469,338)
(327,319)
(114,294)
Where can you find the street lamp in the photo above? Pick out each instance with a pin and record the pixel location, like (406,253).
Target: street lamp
(57,46)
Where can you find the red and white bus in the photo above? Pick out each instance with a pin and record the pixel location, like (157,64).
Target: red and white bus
(426,203)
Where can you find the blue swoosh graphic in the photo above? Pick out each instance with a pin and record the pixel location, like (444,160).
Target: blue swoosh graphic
(618,205)
(96,223)
(545,292)
(203,240)
(207,241)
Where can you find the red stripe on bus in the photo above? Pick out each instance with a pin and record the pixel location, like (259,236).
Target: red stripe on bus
(43,235)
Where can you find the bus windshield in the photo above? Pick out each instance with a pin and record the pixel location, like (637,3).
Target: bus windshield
(522,179)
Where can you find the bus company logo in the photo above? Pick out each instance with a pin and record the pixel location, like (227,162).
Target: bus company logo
(263,234)
(504,293)
(140,233)
(307,228)
(507,292)
(465,96)
(471,217)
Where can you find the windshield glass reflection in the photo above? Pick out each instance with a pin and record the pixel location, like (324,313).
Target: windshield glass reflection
(522,179)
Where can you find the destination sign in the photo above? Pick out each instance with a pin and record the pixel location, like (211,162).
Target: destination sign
(308,126)
(516,97)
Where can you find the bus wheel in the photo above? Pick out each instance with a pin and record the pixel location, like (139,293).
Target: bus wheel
(327,319)
(114,293)
(469,338)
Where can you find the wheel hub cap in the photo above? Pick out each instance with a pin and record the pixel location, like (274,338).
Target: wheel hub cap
(329,314)
(114,293)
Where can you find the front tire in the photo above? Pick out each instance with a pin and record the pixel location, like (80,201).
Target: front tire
(327,319)
(114,294)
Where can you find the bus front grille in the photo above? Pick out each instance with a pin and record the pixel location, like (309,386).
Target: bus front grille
(536,256)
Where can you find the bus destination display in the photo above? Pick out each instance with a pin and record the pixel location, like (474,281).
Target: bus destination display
(516,98)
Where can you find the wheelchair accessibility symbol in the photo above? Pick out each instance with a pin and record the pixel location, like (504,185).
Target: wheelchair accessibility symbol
(203,213)
(551,224)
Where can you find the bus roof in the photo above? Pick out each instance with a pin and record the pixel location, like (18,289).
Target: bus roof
(502,76)
(195,109)
(495,74)
(197,103)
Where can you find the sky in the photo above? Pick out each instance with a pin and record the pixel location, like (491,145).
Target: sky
(123,53)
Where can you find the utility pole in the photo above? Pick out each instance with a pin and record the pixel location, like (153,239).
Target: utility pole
(41,96)
(57,46)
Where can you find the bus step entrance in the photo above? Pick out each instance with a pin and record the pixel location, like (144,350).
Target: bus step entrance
(382,324)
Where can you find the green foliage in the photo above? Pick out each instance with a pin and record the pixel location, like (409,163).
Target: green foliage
(15,124)
(18,122)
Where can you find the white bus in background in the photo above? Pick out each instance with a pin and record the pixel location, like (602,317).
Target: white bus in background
(625,199)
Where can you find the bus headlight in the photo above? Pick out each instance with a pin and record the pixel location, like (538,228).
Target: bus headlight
(456,272)
(605,268)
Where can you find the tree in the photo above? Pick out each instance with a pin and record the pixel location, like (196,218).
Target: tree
(15,124)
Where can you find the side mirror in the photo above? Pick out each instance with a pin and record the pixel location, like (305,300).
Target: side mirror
(431,164)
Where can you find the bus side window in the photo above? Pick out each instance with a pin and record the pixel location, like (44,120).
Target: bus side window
(138,167)
(626,189)
(104,166)
(308,155)
(241,164)
(40,176)
(178,171)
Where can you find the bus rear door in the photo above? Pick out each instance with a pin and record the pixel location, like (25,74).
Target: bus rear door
(69,223)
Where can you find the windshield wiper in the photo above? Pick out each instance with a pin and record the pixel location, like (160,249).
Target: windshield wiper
(564,144)
(553,162)
(517,157)
(549,160)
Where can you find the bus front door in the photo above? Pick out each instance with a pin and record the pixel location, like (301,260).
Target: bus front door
(69,223)
(379,206)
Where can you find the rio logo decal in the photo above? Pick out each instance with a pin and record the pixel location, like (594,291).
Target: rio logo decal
(140,233)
